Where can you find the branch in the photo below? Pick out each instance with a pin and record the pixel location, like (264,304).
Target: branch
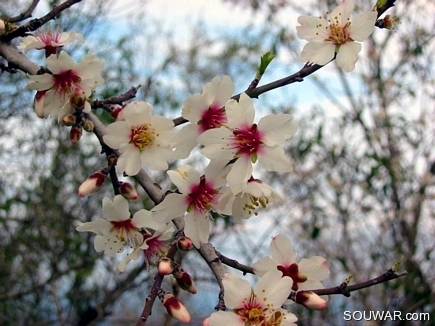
(34,24)
(130,94)
(24,15)
(345,289)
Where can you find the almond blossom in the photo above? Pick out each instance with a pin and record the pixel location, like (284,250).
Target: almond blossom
(55,89)
(142,139)
(48,39)
(258,306)
(204,111)
(246,141)
(255,194)
(116,229)
(306,274)
(197,196)
(155,245)
(335,35)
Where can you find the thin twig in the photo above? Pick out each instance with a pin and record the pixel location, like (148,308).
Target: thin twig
(26,14)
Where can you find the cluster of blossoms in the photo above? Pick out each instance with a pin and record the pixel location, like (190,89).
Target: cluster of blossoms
(230,138)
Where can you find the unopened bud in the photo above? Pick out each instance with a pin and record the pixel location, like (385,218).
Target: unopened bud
(184,243)
(127,190)
(165,266)
(174,307)
(184,280)
(75,134)
(2,26)
(69,120)
(206,322)
(88,125)
(310,300)
(78,99)
(38,103)
(92,184)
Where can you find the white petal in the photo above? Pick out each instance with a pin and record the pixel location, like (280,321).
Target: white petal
(221,87)
(197,228)
(121,208)
(237,290)
(272,289)
(143,218)
(347,55)
(135,254)
(184,177)
(241,113)
(138,113)
(312,28)
(314,268)
(184,141)
(362,26)
(174,205)
(240,172)
(282,251)
(273,159)
(156,158)
(100,227)
(130,162)
(264,265)
(319,53)
(276,128)
(225,318)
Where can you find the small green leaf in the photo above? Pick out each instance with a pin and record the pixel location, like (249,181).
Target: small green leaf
(266,59)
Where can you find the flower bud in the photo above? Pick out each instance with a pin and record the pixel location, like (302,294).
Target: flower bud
(184,243)
(69,120)
(310,300)
(175,308)
(88,125)
(184,280)
(38,103)
(75,134)
(127,190)
(78,99)
(2,26)
(206,322)
(92,184)
(165,266)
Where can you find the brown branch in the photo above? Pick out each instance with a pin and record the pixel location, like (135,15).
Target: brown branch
(34,24)
(26,14)
(120,99)
(345,289)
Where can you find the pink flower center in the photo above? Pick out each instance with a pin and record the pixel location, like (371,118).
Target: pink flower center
(156,247)
(293,271)
(213,117)
(247,140)
(126,232)
(201,196)
(143,136)
(64,81)
(252,312)
(338,34)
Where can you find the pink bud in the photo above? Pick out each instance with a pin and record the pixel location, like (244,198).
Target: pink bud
(75,134)
(92,184)
(184,280)
(206,322)
(39,104)
(175,308)
(128,191)
(118,113)
(2,26)
(69,120)
(165,266)
(310,300)
(184,243)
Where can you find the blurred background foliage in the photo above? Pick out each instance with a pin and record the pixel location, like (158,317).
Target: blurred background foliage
(361,193)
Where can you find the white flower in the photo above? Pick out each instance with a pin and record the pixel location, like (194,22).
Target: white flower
(248,142)
(306,274)
(48,39)
(116,229)
(204,111)
(156,237)
(66,77)
(336,34)
(142,139)
(255,194)
(258,306)
(198,196)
